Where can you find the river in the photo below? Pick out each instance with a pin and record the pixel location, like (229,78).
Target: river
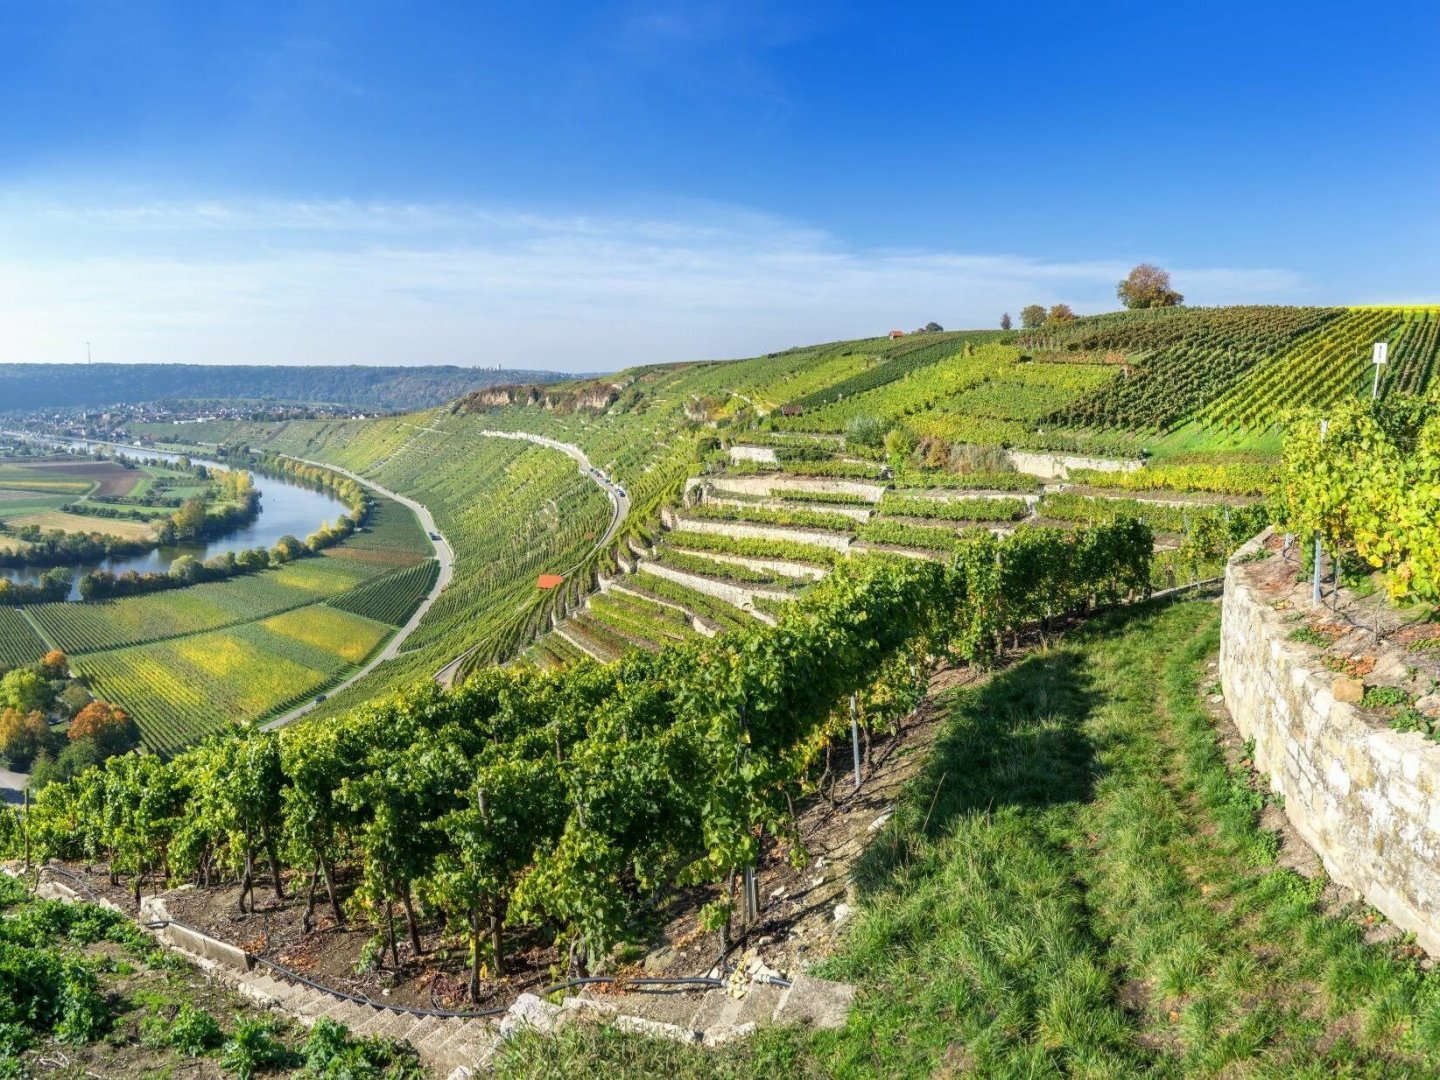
(285,508)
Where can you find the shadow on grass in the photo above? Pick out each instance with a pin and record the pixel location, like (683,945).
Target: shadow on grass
(1017,741)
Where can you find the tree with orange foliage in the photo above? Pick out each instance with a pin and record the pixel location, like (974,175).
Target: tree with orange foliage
(108,726)
(55,664)
(22,736)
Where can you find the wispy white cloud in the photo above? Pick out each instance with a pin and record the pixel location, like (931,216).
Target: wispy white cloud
(351,282)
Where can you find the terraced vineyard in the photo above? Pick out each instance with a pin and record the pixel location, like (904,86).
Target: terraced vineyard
(732,555)
(1099,385)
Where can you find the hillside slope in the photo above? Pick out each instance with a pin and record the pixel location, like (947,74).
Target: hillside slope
(1117,384)
(24,387)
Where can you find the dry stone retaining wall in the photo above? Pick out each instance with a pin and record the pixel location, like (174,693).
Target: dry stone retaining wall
(732,594)
(1058,466)
(1366,798)
(765,483)
(854,513)
(745,530)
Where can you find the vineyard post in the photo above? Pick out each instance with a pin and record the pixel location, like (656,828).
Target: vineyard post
(855,737)
(1319,553)
(1381,354)
(751,898)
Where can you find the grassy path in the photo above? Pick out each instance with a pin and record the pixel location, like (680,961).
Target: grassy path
(1090,896)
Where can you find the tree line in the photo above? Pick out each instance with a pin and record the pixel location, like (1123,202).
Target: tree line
(1146,286)
(570,803)
(188,570)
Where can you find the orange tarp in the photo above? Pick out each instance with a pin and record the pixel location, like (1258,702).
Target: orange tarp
(548,581)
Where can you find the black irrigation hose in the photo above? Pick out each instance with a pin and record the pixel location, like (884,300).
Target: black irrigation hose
(444,1014)
(591,980)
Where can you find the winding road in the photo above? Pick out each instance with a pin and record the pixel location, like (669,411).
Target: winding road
(443,554)
(619,506)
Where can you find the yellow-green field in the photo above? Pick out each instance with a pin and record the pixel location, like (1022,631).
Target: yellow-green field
(187,661)
(81,523)
(351,637)
(180,688)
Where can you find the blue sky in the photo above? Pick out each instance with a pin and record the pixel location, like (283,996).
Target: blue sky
(583,186)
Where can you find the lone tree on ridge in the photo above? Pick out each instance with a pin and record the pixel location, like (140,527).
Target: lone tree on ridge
(1148,287)
(1005,322)
(1032,316)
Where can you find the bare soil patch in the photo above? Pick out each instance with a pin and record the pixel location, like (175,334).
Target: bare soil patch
(112,479)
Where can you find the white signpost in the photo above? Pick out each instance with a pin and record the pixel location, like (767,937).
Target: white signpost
(1380,356)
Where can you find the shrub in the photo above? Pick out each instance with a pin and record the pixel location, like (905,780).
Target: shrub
(331,1054)
(84,1016)
(864,431)
(194,1031)
(253,1048)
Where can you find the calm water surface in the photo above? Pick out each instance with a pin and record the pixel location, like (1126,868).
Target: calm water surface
(285,508)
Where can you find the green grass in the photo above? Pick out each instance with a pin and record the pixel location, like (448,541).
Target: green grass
(1076,885)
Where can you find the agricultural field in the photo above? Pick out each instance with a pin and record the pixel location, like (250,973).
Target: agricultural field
(15,502)
(510,510)
(19,643)
(134,620)
(47,520)
(1331,364)
(391,538)
(185,661)
(93,497)
(181,688)
(393,597)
